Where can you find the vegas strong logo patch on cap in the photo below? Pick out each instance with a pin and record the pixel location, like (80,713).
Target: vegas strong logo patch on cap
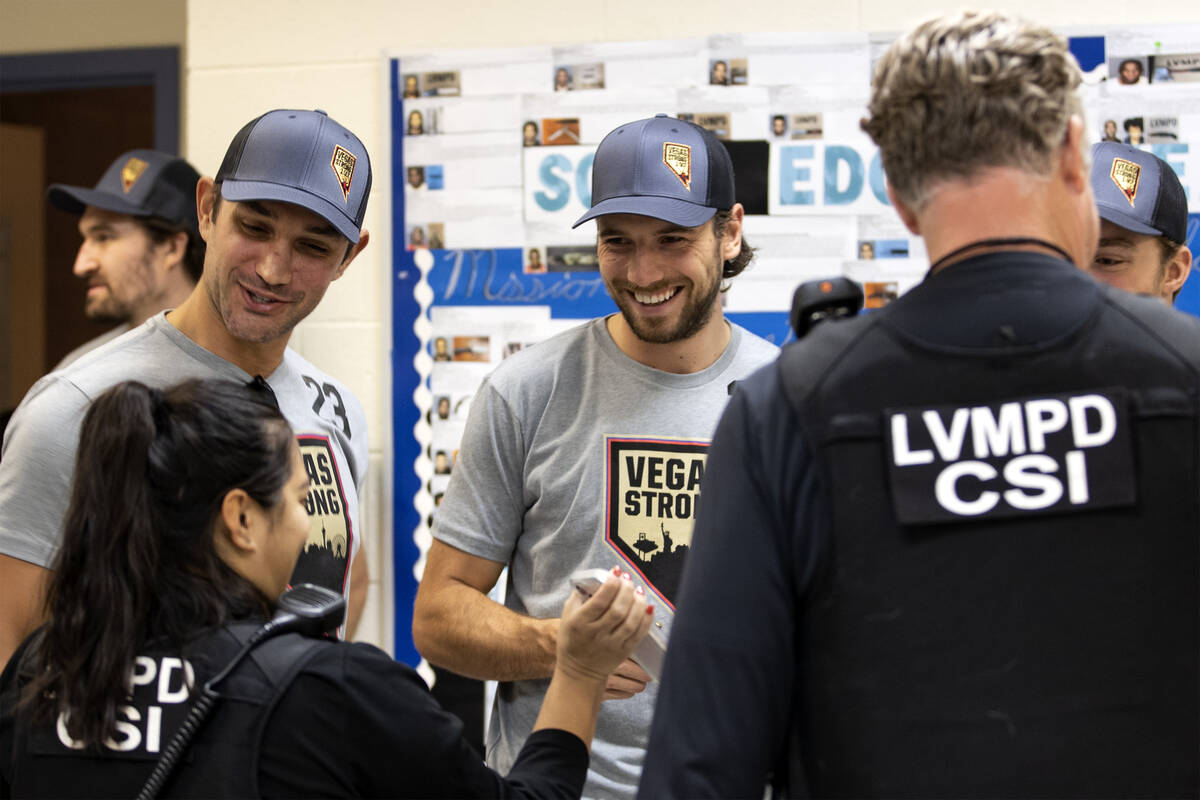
(1063,453)
(130,173)
(343,167)
(1126,174)
(678,158)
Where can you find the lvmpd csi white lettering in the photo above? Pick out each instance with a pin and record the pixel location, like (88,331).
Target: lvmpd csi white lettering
(1003,459)
(164,682)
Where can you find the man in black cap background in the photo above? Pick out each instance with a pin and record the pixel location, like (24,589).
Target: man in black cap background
(282,220)
(586,450)
(142,251)
(1143,222)
(949,548)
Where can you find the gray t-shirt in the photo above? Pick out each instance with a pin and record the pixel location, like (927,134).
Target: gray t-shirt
(90,345)
(39,445)
(576,456)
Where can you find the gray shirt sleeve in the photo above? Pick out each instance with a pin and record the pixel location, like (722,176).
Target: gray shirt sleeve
(484,507)
(36,468)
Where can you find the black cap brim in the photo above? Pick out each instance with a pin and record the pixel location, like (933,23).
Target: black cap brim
(74,199)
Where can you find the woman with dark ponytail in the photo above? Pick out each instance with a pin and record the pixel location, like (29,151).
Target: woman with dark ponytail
(186,518)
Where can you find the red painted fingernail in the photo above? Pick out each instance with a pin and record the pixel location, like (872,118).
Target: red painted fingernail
(625,576)
(649,609)
(639,590)
(616,571)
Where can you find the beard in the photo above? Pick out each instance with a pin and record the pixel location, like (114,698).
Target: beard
(694,315)
(138,289)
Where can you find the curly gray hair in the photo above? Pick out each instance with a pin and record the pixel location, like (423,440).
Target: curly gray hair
(970,91)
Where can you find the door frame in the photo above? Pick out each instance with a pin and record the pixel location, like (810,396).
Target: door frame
(90,69)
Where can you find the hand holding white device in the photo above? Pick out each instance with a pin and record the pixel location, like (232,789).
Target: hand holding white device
(650,651)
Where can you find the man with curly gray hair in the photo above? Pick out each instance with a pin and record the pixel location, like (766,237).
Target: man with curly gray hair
(948,549)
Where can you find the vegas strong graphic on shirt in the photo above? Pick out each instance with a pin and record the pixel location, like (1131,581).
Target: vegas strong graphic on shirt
(653,486)
(326,555)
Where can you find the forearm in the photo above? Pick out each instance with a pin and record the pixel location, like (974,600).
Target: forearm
(457,627)
(571,704)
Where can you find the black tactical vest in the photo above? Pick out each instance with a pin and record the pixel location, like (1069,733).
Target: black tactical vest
(1008,600)
(222,760)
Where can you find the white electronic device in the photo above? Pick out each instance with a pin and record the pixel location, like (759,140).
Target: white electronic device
(650,652)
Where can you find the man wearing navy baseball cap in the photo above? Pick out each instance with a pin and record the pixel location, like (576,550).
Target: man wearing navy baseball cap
(282,220)
(1143,222)
(142,251)
(587,450)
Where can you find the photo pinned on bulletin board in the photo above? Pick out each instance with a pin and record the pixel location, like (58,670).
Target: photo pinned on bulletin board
(417,237)
(588,76)
(415,178)
(410,86)
(779,126)
(878,249)
(440,84)
(1128,71)
(421,121)
(578,258)
(717,122)
(808,126)
(561,131)
(437,235)
(534,263)
(531,133)
(472,348)
(429,236)
(1161,129)
(1178,67)
(419,178)
(1134,130)
(442,407)
(563,79)
(728,72)
(877,294)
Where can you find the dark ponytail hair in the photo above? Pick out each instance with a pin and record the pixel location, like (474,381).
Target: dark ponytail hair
(137,562)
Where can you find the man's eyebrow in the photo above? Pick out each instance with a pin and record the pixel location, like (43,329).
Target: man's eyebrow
(258,208)
(323,229)
(96,227)
(610,230)
(1116,241)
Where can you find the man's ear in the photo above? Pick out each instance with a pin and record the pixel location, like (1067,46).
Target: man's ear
(1177,271)
(731,239)
(1074,161)
(175,248)
(907,216)
(364,236)
(206,195)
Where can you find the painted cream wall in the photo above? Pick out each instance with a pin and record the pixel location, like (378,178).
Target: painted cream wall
(37,26)
(245,57)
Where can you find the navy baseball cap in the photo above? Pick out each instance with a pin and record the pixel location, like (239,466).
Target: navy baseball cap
(304,158)
(140,183)
(1138,191)
(664,168)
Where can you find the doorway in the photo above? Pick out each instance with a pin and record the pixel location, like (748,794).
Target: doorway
(86,108)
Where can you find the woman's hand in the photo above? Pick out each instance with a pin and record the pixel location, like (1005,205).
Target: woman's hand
(596,634)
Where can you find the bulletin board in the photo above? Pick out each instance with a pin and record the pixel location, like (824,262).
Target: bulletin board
(491,165)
